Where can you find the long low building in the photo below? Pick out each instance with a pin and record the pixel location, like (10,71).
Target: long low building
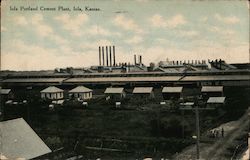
(225,80)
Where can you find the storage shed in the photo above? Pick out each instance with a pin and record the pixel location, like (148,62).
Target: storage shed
(81,92)
(211,91)
(143,92)
(115,93)
(216,100)
(172,92)
(52,93)
(6,94)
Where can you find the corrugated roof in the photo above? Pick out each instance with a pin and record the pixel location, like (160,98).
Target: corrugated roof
(187,104)
(20,141)
(212,89)
(5,91)
(34,80)
(52,89)
(124,79)
(143,90)
(113,90)
(80,89)
(172,89)
(216,100)
(216,78)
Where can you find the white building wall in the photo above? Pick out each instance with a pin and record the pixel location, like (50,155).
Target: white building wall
(52,96)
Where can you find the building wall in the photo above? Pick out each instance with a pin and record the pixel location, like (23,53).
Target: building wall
(52,96)
(206,95)
(86,95)
(168,96)
(117,96)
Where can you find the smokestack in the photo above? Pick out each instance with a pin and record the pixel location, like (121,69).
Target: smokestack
(107,56)
(140,59)
(110,57)
(103,56)
(100,62)
(114,55)
(135,59)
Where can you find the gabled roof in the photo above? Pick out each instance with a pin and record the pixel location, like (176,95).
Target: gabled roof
(51,89)
(212,89)
(20,141)
(216,100)
(5,91)
(80,89)
(113,90)
(143,90)
(172,89)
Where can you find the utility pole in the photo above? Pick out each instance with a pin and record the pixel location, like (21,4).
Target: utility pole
(197,132)
(197,122)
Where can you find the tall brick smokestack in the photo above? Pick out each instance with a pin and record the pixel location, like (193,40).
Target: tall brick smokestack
(135,59)
(107,56)
(110,57)
(114,54)
(140,59)
(100,56)
(103,56)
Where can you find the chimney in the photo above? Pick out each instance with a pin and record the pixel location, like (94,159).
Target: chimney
(100,62)
(110,57)
(135,59)
(114,55)
(107,56)
(103,56)
(140,59)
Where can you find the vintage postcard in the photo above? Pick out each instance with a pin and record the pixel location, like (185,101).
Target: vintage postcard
(125,79)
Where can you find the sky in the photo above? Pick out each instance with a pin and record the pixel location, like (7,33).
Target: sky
(156,29)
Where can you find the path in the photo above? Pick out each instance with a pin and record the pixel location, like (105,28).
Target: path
(216,151)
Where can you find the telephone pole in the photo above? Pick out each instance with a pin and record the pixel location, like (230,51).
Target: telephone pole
(188,106)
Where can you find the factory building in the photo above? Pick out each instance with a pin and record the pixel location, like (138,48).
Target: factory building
(115,93)
(172,93)
(81,92)
(52,93)
(190,65)
(211,91)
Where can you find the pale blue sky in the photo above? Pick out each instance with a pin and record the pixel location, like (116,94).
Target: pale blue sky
(178,30)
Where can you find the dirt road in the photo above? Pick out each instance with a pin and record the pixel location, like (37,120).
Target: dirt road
(217,150)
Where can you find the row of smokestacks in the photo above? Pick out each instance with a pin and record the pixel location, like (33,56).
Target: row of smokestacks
(109,59)
(187,62)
